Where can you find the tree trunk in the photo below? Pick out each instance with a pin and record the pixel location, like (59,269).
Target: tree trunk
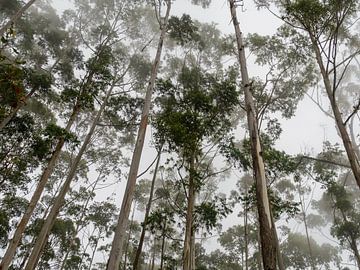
(14,111)
(187,259)
(15,18)
(268,246)
(355,250)
(77,229)
(50,220)
(246,233)
(192,248)
(163,246)
(279,257)
(93,253)
(10,252)
(129,236)
(258,257)
(118,241)
(354,162)
(152,265)
(147,212)
(306,228)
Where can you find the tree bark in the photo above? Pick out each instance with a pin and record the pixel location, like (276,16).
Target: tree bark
(15,18)
(119,237)
(50,220)
(246,233)
(147,212)
(129,235)
(350,151)
(187,259)
(268,246)
(279,257)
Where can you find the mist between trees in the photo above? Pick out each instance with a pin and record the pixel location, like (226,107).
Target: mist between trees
(134,135)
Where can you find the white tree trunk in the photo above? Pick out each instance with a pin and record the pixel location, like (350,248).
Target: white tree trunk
(268,246)
(120,231)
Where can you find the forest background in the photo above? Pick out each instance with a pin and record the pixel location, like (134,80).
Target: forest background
(73,79)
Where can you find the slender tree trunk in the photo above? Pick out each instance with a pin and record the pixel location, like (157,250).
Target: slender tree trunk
(77,229)
(258,257)
(268,245)
(354,162)
(152,265)
(192,248)
(147,212)
(187,259)
(129,236)
(93,253)
(10,252)
(306,228)
(353,138)
(50,220)
(15,18)
(279,257)
(14,111)
(355,250)
(163,245)
(246,233)
(119,237)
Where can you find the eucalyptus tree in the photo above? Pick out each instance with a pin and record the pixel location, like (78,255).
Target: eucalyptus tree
(196,108)
(329,26)
(50,220)
(80,93)
(118,241)
(278,93)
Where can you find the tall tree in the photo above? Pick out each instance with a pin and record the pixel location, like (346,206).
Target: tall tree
(119,237)
(50,220)
(268,244)
(331,21)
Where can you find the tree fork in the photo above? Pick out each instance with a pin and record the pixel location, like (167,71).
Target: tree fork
(119,237)
(268,246)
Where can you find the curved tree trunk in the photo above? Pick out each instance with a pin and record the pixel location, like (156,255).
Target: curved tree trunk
(268,245)
(15,17)
(50,220)
(119,237)
(147,212)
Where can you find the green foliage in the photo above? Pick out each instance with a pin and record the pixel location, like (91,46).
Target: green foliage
(196,108)
(317,15)
(208,214)
(183,30)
